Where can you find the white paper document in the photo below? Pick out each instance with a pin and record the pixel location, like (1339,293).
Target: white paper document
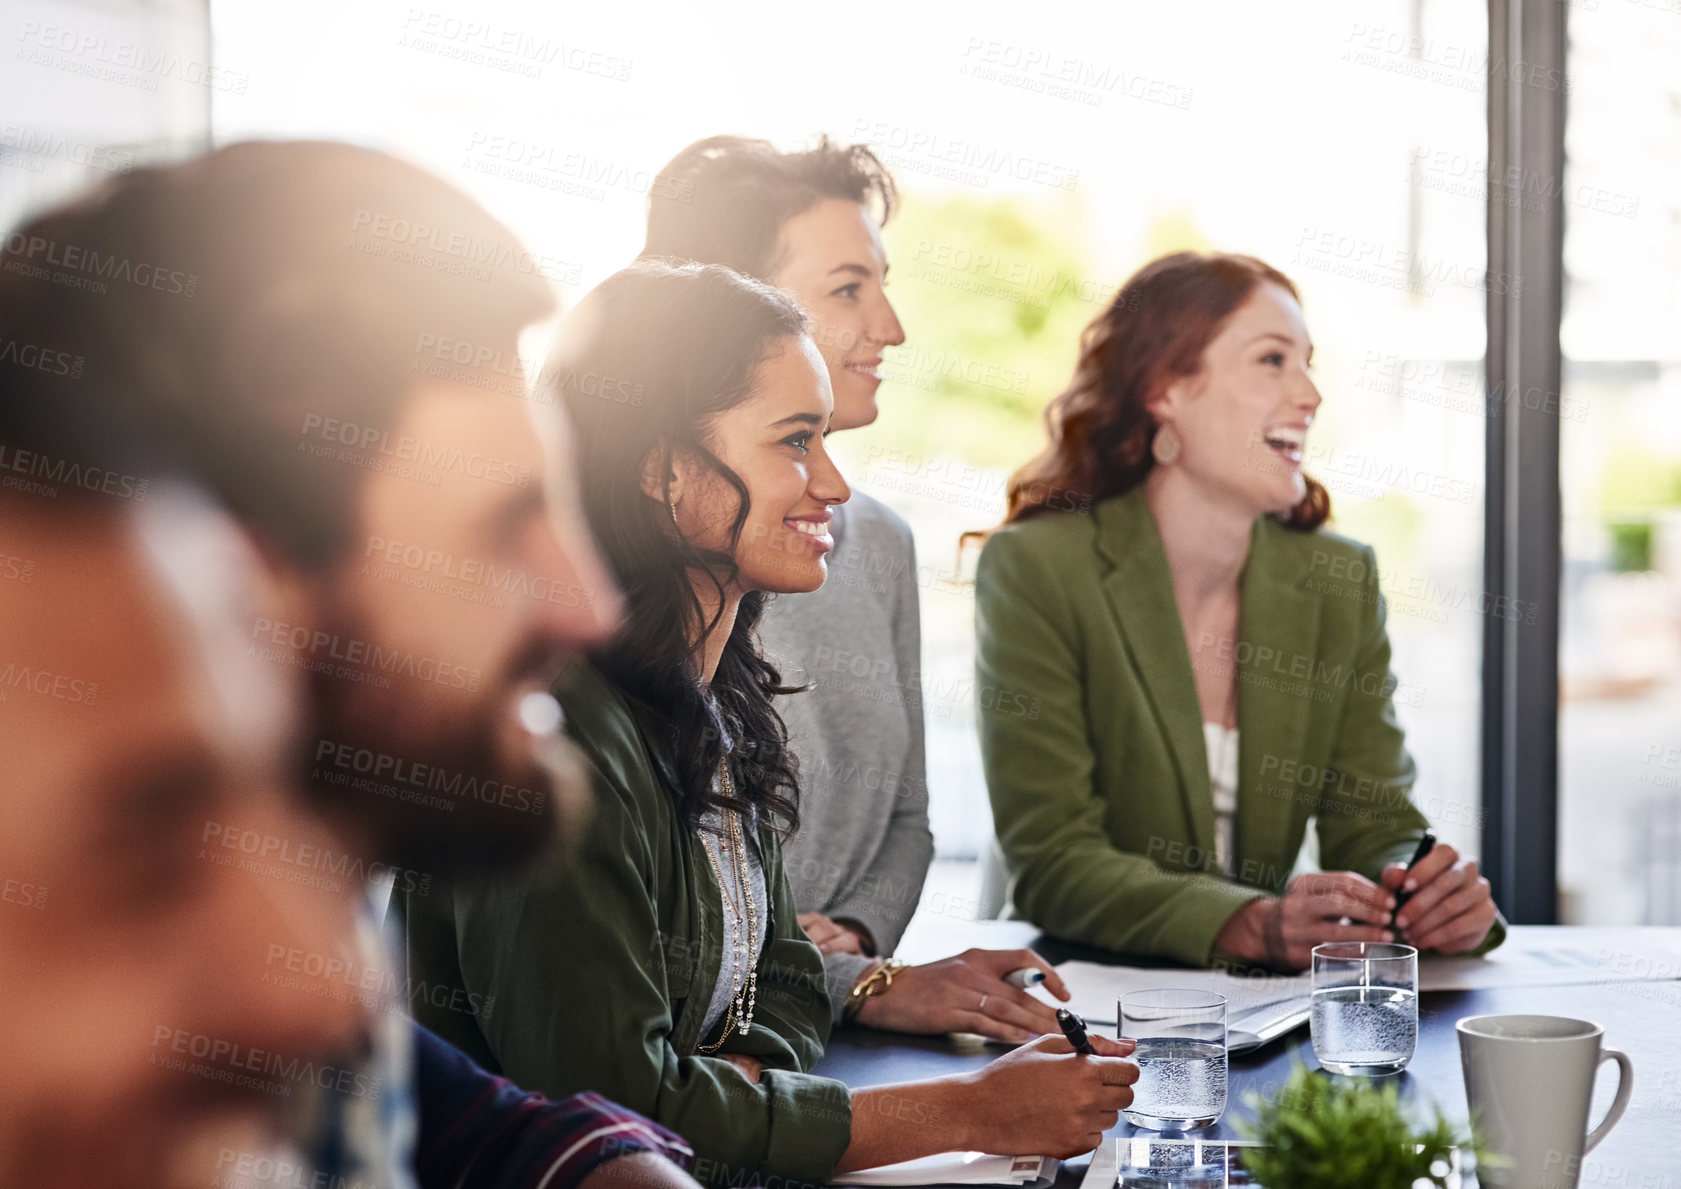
(958,1168)
(1096,989)
(1532,956)
(1540,956)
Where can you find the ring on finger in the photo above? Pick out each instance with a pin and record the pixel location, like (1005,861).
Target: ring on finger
(982,1007)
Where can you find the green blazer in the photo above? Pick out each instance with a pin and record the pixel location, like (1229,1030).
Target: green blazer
(594,973)
(1091,732)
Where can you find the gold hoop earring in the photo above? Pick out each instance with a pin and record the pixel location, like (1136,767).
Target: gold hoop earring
(1165,446)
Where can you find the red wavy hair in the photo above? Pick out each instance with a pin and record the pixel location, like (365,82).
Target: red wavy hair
(1155,331)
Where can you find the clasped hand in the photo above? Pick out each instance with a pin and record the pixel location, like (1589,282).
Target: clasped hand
(1451,910)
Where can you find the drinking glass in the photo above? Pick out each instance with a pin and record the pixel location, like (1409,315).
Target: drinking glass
(1181,1056)
(1365,1006)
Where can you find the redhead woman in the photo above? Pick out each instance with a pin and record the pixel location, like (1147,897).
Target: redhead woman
(1200,691)
(664,964)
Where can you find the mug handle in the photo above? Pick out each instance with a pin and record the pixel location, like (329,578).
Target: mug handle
(1625,1087)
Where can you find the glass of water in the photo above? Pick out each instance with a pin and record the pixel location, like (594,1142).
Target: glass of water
(1181,1056)
(1365,1006)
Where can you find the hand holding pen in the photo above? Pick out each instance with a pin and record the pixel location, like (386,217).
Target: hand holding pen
(1442,902)
(1074,1028)
(1062,1100)
(1409,885)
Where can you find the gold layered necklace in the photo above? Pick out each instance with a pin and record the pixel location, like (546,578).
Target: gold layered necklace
(744,974)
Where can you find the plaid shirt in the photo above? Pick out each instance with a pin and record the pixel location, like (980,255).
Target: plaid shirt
(477,1129)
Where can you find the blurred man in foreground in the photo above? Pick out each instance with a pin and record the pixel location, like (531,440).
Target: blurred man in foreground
(330,337)
(140,1039)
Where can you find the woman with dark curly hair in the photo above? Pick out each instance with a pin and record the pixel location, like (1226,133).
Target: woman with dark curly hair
(1180,666)
(663,964)
(808,222)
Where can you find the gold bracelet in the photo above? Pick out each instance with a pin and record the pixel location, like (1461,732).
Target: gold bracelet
(874,983)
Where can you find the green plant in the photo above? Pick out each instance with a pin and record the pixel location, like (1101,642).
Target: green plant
(1320,1133)
(1631,545)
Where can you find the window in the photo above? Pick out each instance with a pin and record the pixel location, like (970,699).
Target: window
(1620,471)
(1041,163)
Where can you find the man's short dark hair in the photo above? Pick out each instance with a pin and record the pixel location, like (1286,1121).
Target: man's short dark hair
(213,308)
(724,199)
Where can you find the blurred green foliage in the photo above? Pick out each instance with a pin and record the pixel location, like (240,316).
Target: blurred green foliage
(1634,483)
(1631,546)
(993,294)
(1636,480)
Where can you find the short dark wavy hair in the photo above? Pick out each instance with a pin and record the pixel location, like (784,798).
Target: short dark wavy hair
(726,198)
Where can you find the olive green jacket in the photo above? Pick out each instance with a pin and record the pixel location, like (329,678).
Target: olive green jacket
(1091,732)
(594,973)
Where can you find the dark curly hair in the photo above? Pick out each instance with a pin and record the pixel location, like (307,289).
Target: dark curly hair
(643,365)
(726,198)
(1157,328)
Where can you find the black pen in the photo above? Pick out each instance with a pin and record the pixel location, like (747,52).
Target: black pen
(1425,846)
(1074,1028)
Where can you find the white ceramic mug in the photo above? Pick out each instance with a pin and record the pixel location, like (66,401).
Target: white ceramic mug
(1529,1080)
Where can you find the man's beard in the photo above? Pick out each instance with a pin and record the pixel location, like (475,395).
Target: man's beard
(439,785)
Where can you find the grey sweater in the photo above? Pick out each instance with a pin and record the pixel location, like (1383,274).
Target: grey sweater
(863,847)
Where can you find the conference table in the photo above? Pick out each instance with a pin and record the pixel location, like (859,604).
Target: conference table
(1641,1018)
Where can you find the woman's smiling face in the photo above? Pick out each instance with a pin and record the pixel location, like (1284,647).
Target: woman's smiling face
(774,443)
(833,262)
(1243,419)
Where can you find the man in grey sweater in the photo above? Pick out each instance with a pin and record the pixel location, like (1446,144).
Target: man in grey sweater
(804,221)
